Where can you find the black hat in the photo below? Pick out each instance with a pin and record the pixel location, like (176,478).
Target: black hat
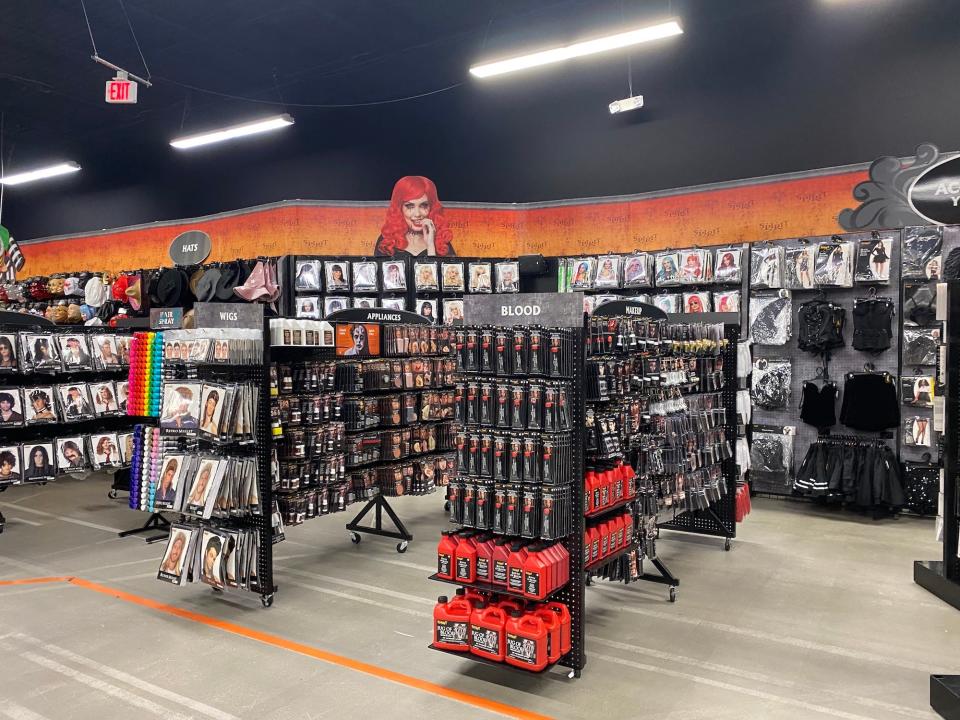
(206,289)
(173,288)
(229,279)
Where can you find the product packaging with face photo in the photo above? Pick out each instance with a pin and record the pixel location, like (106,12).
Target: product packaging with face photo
(451,276)
(307,278)
(394,303)
(582,272)
(335,303)
(169,495)
(337,275)
(480,277)
(75,351)
(9,358)
(71,454)
(10,468)
(365,277)
(41,352)
(39,462)
(106,353)
(174,567)
(425,276)
(638,271)
(181,406)
(105,450)
(508,276)
(104,395)
(427,308)
(11,407)
(799,262)
(394,274)
(452,312)
(308,306)
(75,402)
(726,265)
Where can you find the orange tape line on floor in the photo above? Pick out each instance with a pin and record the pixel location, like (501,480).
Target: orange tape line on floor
(33,581)
(309,651)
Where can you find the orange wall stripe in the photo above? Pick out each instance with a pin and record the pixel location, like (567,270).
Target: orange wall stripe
(768,210)
(316,653)
(33,581)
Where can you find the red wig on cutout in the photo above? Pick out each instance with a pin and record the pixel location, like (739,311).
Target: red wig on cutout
(394,230)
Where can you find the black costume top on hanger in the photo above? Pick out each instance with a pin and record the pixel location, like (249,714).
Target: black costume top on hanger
(870,402)
(872,320)
(820,325)
(818,404)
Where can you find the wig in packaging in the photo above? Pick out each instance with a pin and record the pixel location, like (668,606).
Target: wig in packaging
(668,302)
(425,277)
(770,384)
(589,304)
(921,250)
(726,266)
(771,318)
(508,276)
(608,272)
(834,264)
(583,271)
(696,302)
(798,267)
(695,267)
(727,301)
(766,267)
(667,267)
(873,260)
(638,271)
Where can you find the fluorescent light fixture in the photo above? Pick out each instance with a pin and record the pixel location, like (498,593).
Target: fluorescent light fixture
(587,47)
(234,131)
(39,174)
(634,102)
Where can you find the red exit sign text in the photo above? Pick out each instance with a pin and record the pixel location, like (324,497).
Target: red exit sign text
(121,92)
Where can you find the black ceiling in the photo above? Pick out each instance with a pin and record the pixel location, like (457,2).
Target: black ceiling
(753,87)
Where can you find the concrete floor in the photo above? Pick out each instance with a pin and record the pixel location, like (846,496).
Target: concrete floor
(812,614)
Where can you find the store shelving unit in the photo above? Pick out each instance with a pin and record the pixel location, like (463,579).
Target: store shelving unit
(942,577)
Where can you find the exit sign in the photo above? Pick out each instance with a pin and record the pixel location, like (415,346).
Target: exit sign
(122,92)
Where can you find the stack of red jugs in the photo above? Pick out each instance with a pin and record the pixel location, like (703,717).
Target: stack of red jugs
(607,538)
(604,488)
(529,636)
(535,569)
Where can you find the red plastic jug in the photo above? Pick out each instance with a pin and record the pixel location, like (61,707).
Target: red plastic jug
(526,637)
(594,536)
(630,481)
(518,556)
(628,530)
(616,537)
(618,483)
(484,559)
(537,575)
(589,482)
(472,596)
(561,611)
(450,624)
(595,493)
(487,631)
(446,551)
(466,560)
(552,623)
(507,603)
(605,488)
(604,531)
(586,547)
(501,554)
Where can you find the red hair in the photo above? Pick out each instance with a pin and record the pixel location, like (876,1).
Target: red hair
(394,230)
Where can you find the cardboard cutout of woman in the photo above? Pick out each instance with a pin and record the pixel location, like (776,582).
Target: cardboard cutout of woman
(415,224)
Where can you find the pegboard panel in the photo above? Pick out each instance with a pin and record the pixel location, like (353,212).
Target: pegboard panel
(842,360)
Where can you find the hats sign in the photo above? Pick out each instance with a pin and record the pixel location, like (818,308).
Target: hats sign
(190,248)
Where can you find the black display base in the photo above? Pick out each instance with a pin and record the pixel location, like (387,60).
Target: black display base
(379,503)
(501,665)
(929,575)
(945,696)
(155,522)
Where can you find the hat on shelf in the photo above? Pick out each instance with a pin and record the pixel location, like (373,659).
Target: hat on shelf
(261,285)
(95,292)
(133,294)
(195,278)
(229,279)
(173,288)
(119,288)
(206,290)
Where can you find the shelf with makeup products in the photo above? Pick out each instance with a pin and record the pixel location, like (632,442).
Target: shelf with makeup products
(362,412)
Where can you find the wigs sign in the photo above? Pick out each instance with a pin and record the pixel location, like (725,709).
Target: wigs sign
(935,195)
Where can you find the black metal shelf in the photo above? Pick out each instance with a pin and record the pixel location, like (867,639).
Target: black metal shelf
(600,562)
(492,588)
(494,663)
(603,512)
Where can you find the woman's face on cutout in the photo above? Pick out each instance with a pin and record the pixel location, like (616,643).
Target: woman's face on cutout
(358,337)
(38,457)
(415,212)
(211,405)
(177,549)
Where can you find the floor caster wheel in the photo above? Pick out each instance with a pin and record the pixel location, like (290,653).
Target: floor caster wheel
(673,594)
(727,544)
(355,538)
(266,600)
(112,495)
(446,506)
(402,547)
(217,590)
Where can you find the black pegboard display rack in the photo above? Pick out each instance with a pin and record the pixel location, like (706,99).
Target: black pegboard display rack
(942,577)
(846,359)
(719,520)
